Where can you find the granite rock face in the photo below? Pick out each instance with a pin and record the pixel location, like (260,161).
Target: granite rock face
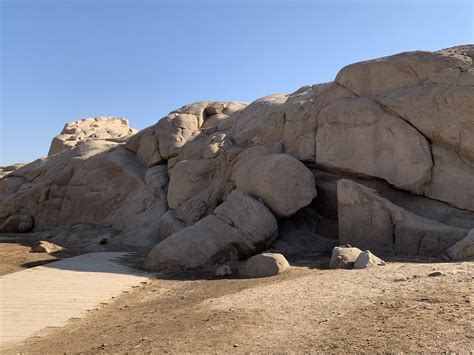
(101,128)
(402,124)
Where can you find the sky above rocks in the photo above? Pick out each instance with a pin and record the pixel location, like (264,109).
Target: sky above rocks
(71,59)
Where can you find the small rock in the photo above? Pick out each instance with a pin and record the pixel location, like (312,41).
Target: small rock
(223,270)
(435,274)
(263,265)
(43,246)
(463,249)
(344,257)
(367,259)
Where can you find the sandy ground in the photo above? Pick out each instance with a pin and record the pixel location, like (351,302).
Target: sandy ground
(394,308)
(15,255)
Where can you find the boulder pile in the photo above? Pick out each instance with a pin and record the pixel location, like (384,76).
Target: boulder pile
(382,158)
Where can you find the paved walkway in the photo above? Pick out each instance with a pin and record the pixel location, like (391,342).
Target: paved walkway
(49,295)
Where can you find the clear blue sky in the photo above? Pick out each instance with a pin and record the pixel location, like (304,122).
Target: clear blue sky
(70,59)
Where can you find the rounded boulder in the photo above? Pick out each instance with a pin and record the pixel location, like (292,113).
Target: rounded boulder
(283,182)
(263,265)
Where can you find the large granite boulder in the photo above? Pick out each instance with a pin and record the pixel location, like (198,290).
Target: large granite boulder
(239,228)
(283,182)
(357,136)
(369,221)
(105,128)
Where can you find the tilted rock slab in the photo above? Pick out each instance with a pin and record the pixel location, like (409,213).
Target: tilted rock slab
(239,228)
(368,221)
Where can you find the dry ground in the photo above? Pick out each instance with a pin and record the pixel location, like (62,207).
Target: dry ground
(15,255)
(394,308)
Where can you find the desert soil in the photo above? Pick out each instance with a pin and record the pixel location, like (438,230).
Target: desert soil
(15,255)
(395,308)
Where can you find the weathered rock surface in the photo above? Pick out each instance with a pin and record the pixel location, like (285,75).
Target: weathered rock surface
(464,248)
(43,246)
(106,128)
(240,227)
(402,125)
(263,265)
(357,136)
(344,257)
(369,221)
(223,270)
(283,182)
(17,224)
(366,259)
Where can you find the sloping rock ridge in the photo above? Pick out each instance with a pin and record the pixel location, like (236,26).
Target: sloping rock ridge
(383,157)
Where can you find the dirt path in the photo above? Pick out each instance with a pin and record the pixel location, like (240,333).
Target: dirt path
(15,255)
(388,309)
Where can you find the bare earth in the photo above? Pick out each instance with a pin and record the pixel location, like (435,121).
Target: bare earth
(15,255)
(394,308)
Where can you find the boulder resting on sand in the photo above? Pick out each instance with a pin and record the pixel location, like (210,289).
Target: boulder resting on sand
(263,265)
(239,227)
(344,257)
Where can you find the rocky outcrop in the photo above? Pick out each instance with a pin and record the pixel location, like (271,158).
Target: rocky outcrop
(369,221)
(239,228)
(356,136)
(283,182)
(397,130)
(101,128)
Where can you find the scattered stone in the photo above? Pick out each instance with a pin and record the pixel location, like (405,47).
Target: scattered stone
(263,265)
(435,274)
(43,246)
(367,259)
(463,249)
(223,270)
(344,257)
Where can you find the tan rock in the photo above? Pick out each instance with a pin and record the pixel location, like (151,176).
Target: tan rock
(188,178)
(214,240)
(356,136)
(443,113)
(369,78)
(261,122)
(453,179)
(369,221)
(344,257)
(43,246)
(106,128)
(366,259)
(463,249)
(281,173)
(263,265)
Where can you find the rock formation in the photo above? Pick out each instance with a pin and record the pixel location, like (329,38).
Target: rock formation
(383,158)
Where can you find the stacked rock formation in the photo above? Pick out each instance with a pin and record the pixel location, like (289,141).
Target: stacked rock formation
(384,154)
